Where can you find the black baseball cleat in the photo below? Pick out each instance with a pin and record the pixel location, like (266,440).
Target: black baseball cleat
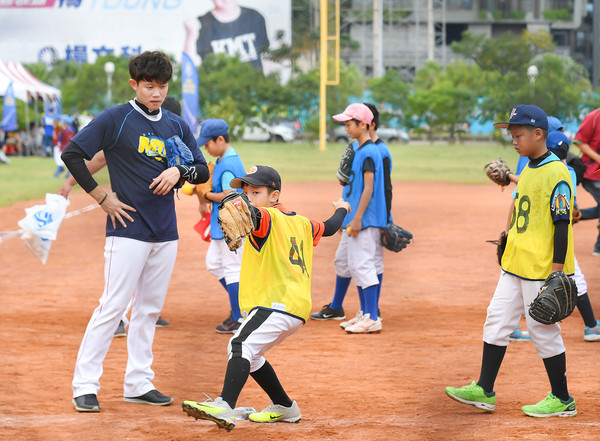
(328,313)
(154,397)
(86,403)
(162,323)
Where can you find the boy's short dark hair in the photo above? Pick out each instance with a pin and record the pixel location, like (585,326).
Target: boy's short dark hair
(358,122)
(225,137)
(533,129)
(375,113)
(151,66)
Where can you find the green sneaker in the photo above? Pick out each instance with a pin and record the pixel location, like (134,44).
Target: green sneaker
(551,406)
(473,395)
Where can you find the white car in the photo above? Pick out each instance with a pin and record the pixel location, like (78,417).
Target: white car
(388,135)
(258,130)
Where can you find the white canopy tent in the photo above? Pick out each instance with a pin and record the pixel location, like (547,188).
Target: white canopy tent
(25,85)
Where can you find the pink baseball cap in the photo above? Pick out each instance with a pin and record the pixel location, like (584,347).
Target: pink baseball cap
(357,111)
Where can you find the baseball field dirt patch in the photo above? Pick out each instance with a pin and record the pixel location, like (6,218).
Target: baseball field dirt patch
(386,386)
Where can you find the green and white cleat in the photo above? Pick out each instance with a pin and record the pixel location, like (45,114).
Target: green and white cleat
(551,406)
(473,395)
(277,413)
(217,411)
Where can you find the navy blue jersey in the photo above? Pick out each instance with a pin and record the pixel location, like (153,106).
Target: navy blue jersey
(244,37)
(386,158)
(134,146)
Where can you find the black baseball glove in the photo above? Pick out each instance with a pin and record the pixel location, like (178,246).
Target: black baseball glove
(395,238)
(343,172)
(500,245)
(556,300)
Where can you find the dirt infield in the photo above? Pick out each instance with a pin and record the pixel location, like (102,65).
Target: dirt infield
(387,386)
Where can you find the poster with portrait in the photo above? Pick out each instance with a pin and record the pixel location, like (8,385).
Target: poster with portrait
(82,30)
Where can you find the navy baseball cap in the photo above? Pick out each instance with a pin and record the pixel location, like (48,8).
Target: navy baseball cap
(554,124)
(259,176)
(527,115)
(210,128)
(558,142)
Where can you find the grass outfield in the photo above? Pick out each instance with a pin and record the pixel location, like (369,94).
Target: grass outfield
(29,178)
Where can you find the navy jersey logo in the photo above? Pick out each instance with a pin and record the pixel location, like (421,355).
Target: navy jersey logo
(153,147)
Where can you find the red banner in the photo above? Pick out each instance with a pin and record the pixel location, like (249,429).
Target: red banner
(27,3)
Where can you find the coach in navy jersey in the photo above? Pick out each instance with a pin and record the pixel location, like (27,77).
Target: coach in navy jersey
(141,227)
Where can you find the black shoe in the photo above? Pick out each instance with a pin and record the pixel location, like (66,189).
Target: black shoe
(120,332)
(162,323)
(153,397)
(228,319)
(228,328)
(328,313)
(86,403)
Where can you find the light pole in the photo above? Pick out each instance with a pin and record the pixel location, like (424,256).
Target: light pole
(109,68)
(532,73)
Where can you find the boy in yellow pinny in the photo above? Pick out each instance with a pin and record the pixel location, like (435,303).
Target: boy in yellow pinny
(540,241)
(274,298)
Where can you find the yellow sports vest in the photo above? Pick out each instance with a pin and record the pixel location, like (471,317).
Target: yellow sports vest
(530,246)
(277,276)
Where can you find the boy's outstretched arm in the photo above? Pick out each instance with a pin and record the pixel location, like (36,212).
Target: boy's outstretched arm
(333,224)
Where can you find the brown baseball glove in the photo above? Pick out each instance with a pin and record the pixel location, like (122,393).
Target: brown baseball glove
(498,172)
(202,189)
(237,218)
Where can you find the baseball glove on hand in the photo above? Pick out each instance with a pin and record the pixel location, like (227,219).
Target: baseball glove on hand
(395,238)
(500,245)
(343,172)
(556,300)
(177,152)
(498,172)
(202,189)
(237,218)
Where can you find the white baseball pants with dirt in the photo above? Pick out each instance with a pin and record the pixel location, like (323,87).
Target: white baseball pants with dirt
(357,257)
(130,266)
(513,296)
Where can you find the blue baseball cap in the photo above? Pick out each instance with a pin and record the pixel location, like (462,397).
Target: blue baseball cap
(527,115)
(558,142)
(554,124)
(210,128)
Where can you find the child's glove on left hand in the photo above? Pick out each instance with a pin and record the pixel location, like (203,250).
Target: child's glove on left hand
(556,300)
(237,219)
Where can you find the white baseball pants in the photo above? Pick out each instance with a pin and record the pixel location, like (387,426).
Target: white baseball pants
(130,266)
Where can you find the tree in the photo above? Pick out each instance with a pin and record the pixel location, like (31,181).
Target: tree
(389,90)
(558,88)
(442,98)
(505,54)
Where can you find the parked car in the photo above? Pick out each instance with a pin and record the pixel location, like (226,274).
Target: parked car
(258,130)
(388,134)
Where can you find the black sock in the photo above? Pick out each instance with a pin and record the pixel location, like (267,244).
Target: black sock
(238,369)
(585,309)
(490,365)
(556,367)
(268,381)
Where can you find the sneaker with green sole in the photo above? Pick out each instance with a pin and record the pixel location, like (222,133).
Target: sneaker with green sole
(551,406)
(277,413)
(473,395)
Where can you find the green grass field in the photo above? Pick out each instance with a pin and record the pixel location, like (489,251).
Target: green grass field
(28,178)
